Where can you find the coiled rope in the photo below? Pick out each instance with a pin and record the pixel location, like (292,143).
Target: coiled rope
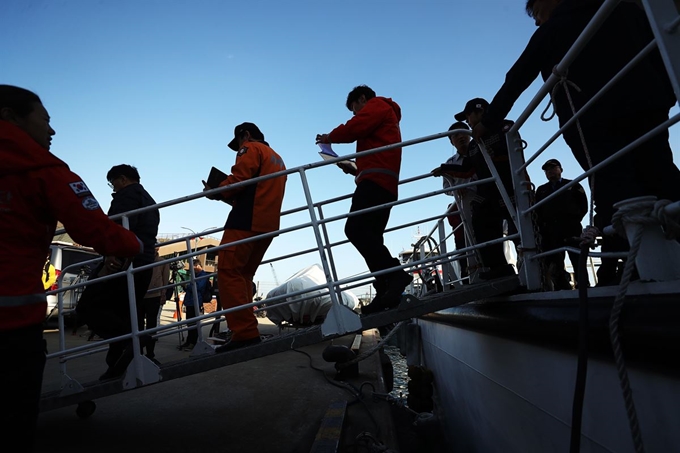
(638,214)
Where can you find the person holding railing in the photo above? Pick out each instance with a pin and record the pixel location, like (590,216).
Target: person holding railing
(488,210)
(375,124)
(635,104)
(105,306)
(461,219)
(559,222)
(37,189)
(256,209)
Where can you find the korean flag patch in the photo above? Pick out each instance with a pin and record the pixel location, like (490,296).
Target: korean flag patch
(79,188)
(90,203)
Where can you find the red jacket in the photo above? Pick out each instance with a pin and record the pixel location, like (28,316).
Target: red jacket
(255,207)
(376,125)
(36,190)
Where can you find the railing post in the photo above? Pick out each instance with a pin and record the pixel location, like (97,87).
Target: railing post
(530,273)
(339,319)
(664,20)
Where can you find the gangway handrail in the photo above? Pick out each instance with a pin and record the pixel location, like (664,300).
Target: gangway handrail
(626,149)
(623,72)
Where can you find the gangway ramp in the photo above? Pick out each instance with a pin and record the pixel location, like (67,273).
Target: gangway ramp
(410,307)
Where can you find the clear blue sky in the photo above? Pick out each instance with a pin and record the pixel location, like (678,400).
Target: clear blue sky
(161,84)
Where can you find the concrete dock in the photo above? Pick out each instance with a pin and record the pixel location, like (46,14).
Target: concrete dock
(278,403)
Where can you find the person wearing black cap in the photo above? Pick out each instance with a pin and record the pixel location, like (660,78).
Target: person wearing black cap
(488,209)
(462,213)
(375,124)
(559,221)
(256,209)
(637,103)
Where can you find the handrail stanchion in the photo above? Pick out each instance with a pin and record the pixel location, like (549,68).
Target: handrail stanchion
(530,274)
(339,319)
(136,374)
(446,267)
(664,21)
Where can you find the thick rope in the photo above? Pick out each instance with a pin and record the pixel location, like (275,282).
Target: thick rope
(616,344)
(371,351)
(639,214)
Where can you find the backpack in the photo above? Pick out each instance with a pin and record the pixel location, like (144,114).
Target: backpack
(206,296)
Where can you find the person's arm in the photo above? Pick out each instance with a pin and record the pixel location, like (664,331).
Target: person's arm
(361,125)
(581,200)
(517,80)
(165,274)
(247,166)
(74,205)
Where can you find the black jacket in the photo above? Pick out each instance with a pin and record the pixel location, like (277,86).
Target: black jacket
(497,147)
(565,211)
(623,34)
(145,225)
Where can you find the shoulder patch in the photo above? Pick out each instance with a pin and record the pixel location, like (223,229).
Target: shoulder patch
(90,203)
(242,151)
(79,188)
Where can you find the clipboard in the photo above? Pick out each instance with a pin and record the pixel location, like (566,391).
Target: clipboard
(327,153)
(215,177)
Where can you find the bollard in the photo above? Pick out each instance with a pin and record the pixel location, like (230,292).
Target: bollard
(658,258)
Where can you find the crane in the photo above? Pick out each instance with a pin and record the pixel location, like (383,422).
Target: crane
(276,280)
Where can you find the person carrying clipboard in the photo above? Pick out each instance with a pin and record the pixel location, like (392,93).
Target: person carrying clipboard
(375,123)
(256,209)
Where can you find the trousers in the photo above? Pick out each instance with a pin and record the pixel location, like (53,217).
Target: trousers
(235,271)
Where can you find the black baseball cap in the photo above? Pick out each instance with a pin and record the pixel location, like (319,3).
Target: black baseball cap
(459,125)
(551,163)
(471,106)
(241,128)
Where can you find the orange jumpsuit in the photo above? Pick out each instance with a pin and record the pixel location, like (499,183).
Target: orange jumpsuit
(256,209)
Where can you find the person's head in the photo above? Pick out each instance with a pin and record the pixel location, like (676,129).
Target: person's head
(358,97)
(541,10)
(245,132)
(24,109)
(122,176)
(473,111)
(460,141)
(198,267)
(553,170)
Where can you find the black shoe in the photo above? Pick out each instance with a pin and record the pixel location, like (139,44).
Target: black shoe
(498,272)
(226,335)
(237,344)
(375,306)
(396,283)
(184,345)
(110,373)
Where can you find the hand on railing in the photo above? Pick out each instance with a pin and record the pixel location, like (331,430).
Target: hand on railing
(347,167)
(478,132)
(589,235)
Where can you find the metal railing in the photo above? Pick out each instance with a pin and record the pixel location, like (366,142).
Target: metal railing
(323,244)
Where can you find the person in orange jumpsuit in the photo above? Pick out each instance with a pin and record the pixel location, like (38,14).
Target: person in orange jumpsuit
(37,189)
(256,209)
